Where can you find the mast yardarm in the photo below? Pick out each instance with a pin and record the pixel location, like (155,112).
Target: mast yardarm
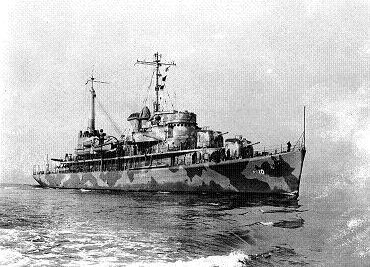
(165,150)
(93,96)
(157,63)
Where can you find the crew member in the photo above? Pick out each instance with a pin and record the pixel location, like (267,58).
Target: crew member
(289,145)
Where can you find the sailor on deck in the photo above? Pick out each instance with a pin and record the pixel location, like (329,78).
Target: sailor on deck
(289,145)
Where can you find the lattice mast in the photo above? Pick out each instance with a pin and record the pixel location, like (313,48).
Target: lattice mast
(157,63)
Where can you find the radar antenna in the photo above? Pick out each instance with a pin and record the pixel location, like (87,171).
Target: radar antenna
(93,96)
(157,63)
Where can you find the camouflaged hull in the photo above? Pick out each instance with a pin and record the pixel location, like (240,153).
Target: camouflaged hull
(278,173)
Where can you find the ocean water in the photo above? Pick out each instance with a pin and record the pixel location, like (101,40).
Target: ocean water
(60,227)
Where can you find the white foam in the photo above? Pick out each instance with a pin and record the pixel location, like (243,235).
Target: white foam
(13,258)
(231,260)
(9,187)
(354,223)
(85,190)
(8,235)
(267,223)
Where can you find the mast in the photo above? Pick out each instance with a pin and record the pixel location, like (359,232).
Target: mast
(304,126)
(157,60)
(157,63)
(93,96)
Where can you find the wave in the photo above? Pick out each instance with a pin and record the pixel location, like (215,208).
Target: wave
(9,187)
(234,259)
(354,236)
(11,257)
(295,223)
(85,190)
(277,254)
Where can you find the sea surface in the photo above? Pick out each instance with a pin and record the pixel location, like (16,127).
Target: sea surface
(61,227)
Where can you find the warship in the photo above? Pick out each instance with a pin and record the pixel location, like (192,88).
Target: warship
(166,151)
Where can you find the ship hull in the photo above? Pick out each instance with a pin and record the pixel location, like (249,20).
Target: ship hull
(275,174)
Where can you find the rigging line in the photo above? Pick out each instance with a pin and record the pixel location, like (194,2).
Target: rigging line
(175,98)
(117,129)
(147,90)
(115,126)
(170,100)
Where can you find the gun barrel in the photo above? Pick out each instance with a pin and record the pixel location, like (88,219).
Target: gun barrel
(254,144)
(56,159)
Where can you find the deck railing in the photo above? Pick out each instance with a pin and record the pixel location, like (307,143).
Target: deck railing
(117,164)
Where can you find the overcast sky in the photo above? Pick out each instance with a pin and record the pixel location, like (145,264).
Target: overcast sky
(247,67)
